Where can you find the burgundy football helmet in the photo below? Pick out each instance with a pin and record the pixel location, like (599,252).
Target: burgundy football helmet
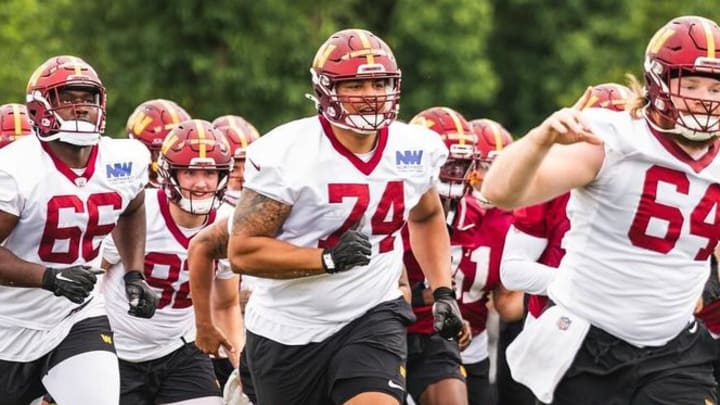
(460,140)
(14,123)
(150,123)
(685,46)
(153,120)
(84,120)
(611,96)
(239,133)
(194,144)
(356,54)
(492,138)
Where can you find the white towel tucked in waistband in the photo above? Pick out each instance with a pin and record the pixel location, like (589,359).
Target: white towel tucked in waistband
(545,349)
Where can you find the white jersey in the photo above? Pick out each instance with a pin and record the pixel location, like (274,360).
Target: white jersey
(166,271)
(331,189)
(63,216)
(641,234)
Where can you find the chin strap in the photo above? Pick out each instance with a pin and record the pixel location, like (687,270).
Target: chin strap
(679,130)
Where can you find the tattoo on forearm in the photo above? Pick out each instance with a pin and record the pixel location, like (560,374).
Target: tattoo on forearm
(258,215)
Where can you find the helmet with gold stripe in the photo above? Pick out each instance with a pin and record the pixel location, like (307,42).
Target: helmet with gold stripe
(191,147)
(354,55)
(460,140)
(14,123)
(680,56)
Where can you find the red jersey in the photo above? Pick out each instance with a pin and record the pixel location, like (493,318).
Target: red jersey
(477,237)
(548,221)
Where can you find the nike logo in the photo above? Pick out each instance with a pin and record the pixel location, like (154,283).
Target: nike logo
(393,384)
(693,328)
(255,165)
(59,276)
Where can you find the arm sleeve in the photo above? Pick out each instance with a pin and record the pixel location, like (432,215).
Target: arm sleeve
(519,269)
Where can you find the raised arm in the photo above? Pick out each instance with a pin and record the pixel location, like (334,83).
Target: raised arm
(560,154)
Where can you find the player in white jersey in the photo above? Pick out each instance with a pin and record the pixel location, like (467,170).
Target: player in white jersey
(641,234)
(61,192)
(319,224)
(159,363)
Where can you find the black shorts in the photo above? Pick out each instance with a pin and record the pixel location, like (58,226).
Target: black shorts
(509,391)
(21,383)
(367,355)
(478,382)
(184,374)
(246,379)
(610,371)
(431,358)
(716,366)
(223,368)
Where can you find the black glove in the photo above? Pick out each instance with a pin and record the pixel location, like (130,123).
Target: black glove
(447,320)
(353,249)
(74,283)
(141,297)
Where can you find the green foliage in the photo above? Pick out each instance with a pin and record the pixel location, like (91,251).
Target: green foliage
(441,46)
(511,60)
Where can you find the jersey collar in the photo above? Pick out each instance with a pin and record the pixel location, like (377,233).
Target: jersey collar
(680,154)
(174,229)
(77,179)
(365,167)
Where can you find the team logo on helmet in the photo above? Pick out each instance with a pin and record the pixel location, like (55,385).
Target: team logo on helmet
(194,145)
(356,54)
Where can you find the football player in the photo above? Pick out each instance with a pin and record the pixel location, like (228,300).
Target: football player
(637,253)
(538,230)
(56,336)
(434,370)
(14,123)
(318,224)
(159,362)
(150,123)
(492,139)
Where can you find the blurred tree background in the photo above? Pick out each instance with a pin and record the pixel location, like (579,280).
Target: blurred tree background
(514,61)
